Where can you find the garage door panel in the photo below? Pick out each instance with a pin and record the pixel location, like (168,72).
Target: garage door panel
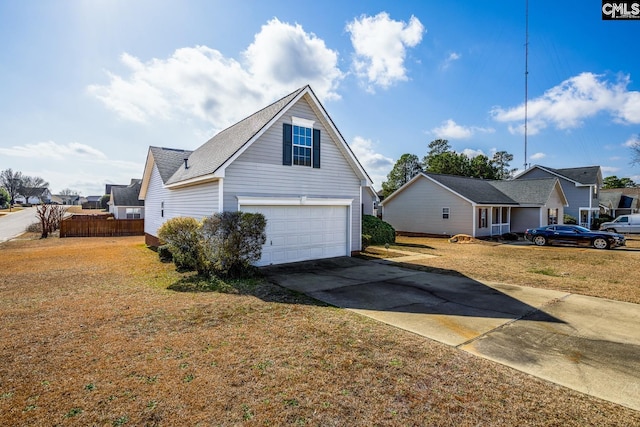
(297,233)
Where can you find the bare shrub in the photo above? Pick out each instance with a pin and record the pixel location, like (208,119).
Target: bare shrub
(50,217)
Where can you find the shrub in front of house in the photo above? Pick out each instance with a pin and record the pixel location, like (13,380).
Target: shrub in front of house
(224,244)
(568,219)
(231,242)
(181,236)
(381,232)
(366,241)
(164,253)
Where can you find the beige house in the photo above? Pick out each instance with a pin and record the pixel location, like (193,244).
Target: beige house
(447,205)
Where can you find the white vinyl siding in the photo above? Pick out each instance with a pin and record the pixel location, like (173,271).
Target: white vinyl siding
(195,201)
(418,209)
(259,171)
(120,212)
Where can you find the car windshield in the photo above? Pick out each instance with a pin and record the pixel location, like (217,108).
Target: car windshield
(582,229)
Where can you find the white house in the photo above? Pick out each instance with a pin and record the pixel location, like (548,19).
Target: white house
(124,202)
(287,161)
(448,205)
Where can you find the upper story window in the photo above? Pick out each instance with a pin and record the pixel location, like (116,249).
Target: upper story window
(302,144)
(445,213)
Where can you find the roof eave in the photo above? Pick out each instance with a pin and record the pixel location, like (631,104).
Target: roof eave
(195,181)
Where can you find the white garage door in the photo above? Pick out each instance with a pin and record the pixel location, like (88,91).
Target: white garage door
(299,233)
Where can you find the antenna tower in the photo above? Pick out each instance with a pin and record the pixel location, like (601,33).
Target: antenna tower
(526,79)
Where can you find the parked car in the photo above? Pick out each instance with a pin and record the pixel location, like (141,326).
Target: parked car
(574,235)
(623,224)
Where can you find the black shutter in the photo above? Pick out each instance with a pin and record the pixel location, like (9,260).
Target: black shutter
(316,148)
(287,138)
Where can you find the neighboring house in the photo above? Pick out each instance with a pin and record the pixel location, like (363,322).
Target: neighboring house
(66,199)
(35,196)
(287,161)
(108,187)
(580,185)
(448,205)
(92,202)
(620,201)
(370,202)
(124,202)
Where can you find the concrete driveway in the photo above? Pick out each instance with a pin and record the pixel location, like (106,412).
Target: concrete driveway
(588,344)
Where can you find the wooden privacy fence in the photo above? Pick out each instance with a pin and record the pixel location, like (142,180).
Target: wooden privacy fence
(100,226)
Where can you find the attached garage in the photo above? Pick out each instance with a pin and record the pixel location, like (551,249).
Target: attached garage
(300,229)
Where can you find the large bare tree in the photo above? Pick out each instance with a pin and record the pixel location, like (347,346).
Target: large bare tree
(32,186)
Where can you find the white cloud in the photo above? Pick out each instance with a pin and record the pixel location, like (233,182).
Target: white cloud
(537,156)
(471,153)
(609,170)
(451,130)
(633,141)
(307,59)
(377,165)
(53,150)
(200,82)
(567,105)
(380,45)
(450,60)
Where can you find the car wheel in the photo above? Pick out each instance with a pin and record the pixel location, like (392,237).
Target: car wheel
(540,240)
(600,243)
(611,230)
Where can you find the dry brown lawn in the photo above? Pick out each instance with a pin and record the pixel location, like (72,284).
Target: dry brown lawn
(612,274)
(92,332)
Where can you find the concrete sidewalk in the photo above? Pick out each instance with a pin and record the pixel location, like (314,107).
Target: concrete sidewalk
(588,344)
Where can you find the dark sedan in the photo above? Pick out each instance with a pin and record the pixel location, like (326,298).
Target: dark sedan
(574,235)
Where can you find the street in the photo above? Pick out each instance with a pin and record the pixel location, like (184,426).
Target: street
(13,224)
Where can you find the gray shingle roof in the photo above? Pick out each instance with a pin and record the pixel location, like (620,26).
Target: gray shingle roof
(214,153)
(583,175)
(527,191)
(168,160)
(477,190)
(127,196)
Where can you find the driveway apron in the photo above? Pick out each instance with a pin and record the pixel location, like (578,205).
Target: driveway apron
(591,345)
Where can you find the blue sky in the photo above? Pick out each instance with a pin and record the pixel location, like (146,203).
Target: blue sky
(87,86)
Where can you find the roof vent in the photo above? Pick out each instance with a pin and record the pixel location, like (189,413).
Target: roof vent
(186,163)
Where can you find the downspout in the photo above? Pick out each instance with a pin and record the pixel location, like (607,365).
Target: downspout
(220,195)
(474,212)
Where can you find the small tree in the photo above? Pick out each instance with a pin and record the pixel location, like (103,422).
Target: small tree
(4,198)
(405,168)
(181,235)
(104,201)
(50,217)
(231,241)
(11,181)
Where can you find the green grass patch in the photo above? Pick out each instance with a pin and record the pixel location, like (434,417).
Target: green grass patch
(545,271)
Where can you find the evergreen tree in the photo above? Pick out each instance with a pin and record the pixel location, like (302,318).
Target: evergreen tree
(405,168)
